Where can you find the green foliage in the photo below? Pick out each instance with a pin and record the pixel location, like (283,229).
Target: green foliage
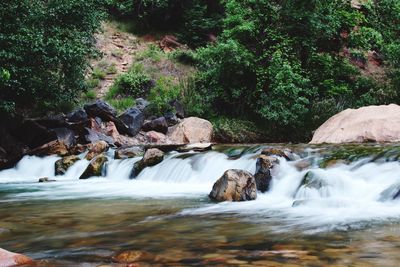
(98,74)
(187,57)
(162,93)
(122,104)
(90,95)
(45,46)
(134,83)
(233,130)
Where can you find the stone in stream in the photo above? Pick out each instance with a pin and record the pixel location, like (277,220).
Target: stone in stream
(234,185)
(55,147)
(96,149)
(263,176)
(62,165)
(313,180)
(46,180)
(273,151)
(131,256)
(128,152)
(8,259)
(392,192)
(95,167)
(151,157)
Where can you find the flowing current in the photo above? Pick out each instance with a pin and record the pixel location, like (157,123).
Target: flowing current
(348,194)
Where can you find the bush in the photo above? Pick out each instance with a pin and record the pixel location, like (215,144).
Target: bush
(162,93)
(233,130)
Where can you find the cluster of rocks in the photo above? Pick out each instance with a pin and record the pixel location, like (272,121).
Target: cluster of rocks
(74,133)
(240,185)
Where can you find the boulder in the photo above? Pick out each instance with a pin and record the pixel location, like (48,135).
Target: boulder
(101,109)
(273,151)
(78,149)
(171,118)
(128,152)
(32,134)
(366,124)
(191,130)
(95,167)
(151,157)
(77,116)
(62,165)
(159,125)
(93,136)
(66,135)
(156,137)
(263,176)
(52,148)
(8,259)
(234,185)
(133,119)
(178,107)
(96,149)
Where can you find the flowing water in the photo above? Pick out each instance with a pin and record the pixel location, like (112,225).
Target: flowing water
(347,215)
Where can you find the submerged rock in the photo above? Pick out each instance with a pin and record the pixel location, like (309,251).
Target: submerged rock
(128,152)
(366,124)
(95,167)
(391,193)
(313,180)
(263,176)
(46,180)
(8,259)
(273,151)
(151,157)
(131,256)
(62,165)
(191,130)
(234,185)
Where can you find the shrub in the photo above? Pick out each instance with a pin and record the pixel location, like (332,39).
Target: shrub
(162,93)
(233,130)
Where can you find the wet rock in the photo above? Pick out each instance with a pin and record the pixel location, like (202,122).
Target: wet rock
(62,165)
(273,151)
(159,125)
(46,180)
(77,116)
(101,109)
(313,180)
(8,259)
(96,149)
(191,130)
(303,164)
(151,157)
(197,147)
(131,256)
(95,167)
(128,152)
(263,176)
(156,137)
(234,185)
(393,192)
(78,149)
(133,119)
(52,148)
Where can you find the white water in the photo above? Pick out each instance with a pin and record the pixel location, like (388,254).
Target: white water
(351,193)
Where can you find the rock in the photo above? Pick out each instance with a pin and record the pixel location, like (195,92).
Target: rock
(102,110)
(66,135)
(95,167)
(133,118)
(8,259)
(366,124)
(303,164)
(313,180)
(78,149)
(171,118)
(273,151)
(142,104)
(11,149)
(53,121)
(94,137)
(156,137)
(96,149)
(128,152)
(197,147)
(191,130)
(32,134)
(263,176)
(151,157)
(159,125)
(178,107)
(133,256)
(234,185)
(393,192)
(111,130)
(77,116)
(62,165)
(52,148)
(46,180)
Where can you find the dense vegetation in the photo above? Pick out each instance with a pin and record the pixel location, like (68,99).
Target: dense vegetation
(276,67)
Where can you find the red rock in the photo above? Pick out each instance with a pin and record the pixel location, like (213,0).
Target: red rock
(156,137)
(8,259)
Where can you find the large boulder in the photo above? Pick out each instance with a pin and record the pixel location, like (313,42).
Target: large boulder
(66,135)
(96,149)
(191,130)
(159,125)
(133,119)
(95,167)
(263,176)
(178,107)
(77,116)
(234,185)
(52,148)
(156,137)
(151,157)
(62,165)
(8,259)
(101,109)
(366,124)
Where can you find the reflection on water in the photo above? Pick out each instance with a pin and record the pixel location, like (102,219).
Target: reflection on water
(167,215)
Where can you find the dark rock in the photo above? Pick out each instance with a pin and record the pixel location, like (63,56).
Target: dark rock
(234,185)
(11,149)
(78,149)
(151,157)
(133,119)
(46,180)
(178,107)
(102,110)
(263,176)
(128,152)
(77,116)
(66,135)
(142,104)
(171,118)
(62,165)
(52,148)
(93,136)
(95,167)
(32,134)
(159,125)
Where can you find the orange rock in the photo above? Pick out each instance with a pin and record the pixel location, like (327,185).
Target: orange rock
(8,259)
